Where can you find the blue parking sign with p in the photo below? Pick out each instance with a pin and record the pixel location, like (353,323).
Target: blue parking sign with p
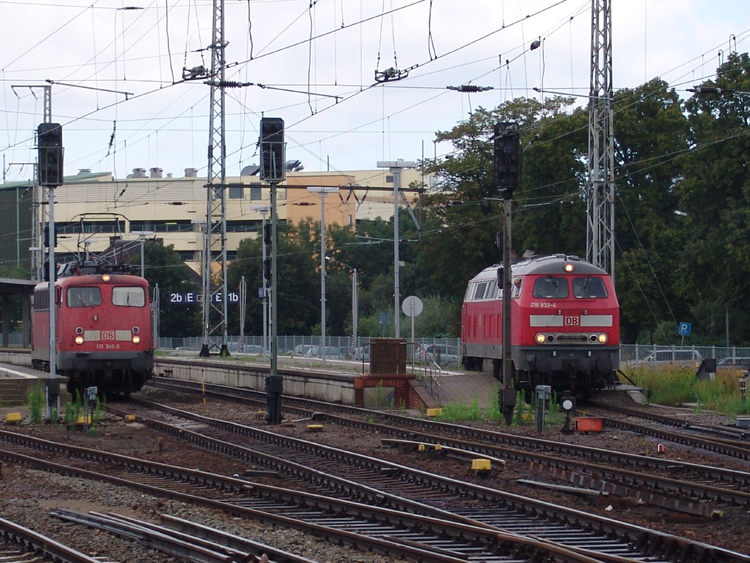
(684,329)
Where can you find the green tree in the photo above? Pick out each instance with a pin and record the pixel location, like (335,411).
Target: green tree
(651,133)
(164,267)
(715,194)
(298,298)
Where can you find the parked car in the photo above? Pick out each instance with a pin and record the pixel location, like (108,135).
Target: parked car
(444,355)
(685,358)
(332,353)
(362,353)
(737,363)
(303,350)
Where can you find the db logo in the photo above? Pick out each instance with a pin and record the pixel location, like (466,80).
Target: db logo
(572,321)
(108,335)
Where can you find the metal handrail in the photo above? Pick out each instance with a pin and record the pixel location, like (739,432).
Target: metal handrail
(428,371)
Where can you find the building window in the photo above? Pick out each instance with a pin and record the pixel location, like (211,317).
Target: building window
(90,227)
(249,226)
(255,192)
(181,226)
(389,179)
(236,191)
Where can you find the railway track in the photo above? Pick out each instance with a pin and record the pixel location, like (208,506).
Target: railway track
(486,506)
(724,440)
(19,543)
(182,539)
(680,486)
(370,528)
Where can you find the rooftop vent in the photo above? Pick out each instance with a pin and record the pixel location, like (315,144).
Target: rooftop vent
(139,172)
(191,172)
(250,170)
(156,172)
(82,171)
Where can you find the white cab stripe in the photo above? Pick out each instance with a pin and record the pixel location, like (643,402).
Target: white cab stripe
(596,320)
(545,320)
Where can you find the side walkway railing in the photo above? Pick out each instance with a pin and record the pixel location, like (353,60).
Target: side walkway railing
(632,353)
(426,369)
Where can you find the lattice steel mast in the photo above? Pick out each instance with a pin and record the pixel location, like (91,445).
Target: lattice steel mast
(600,197)
(214,248)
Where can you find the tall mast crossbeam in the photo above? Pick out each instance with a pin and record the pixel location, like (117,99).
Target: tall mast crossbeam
(600,196)
(214,265)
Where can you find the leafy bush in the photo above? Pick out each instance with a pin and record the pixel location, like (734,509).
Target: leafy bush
(36,403)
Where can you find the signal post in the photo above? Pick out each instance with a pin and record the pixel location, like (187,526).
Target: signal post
(49,140)
(507,173)
(272,169)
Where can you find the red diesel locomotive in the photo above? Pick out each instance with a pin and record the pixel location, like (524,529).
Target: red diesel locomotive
(565,325)
(103,329)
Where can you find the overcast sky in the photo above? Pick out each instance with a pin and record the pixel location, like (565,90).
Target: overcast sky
(337,115)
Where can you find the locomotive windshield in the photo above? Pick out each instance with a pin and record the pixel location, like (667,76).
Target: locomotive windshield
(589,288)
(84,296)
(551,288)
(128,296)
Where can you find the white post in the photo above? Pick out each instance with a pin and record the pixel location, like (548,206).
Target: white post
(243,310)
(412,319)
(263,210)
(355,307)
(396,167)
(322,192)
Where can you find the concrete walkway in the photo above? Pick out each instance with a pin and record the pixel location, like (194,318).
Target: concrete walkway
(463,388)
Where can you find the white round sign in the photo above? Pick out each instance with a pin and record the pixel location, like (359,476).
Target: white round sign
(412,306)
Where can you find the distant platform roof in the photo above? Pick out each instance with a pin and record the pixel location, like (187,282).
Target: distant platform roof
(11,286)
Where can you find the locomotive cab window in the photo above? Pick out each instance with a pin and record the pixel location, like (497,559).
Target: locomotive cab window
(589,288)
(128,296)
(84,296)
(550,288)
(479,292)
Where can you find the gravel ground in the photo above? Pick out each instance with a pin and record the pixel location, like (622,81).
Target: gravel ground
(29,495)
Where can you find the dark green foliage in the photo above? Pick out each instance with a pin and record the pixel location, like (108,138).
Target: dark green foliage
(164,267)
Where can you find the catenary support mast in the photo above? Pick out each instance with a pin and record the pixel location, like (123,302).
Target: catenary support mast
(600,197)
(215,252)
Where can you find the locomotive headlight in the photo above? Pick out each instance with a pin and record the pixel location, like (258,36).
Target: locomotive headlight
(136,339)
(602,338)
(79,339)
(106,277)
(540,338)
(568,267)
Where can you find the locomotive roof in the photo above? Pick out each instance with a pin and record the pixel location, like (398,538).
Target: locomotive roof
(95,279)
(545,265)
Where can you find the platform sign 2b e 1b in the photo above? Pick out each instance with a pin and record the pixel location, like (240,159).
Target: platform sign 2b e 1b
(194,298)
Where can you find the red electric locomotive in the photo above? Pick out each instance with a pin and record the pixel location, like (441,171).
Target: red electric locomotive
(565,325)
(103,328)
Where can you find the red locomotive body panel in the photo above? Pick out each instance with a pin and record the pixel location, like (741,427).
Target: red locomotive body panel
(566,328)
(103,331)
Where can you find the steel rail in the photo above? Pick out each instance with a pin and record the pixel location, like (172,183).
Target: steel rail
(29,540)
(500,443)
(587,521)
(523,547)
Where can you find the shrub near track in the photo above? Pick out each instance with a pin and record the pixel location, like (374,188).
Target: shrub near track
(678,386)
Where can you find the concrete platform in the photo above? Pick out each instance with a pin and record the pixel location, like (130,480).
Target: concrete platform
(16,382)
